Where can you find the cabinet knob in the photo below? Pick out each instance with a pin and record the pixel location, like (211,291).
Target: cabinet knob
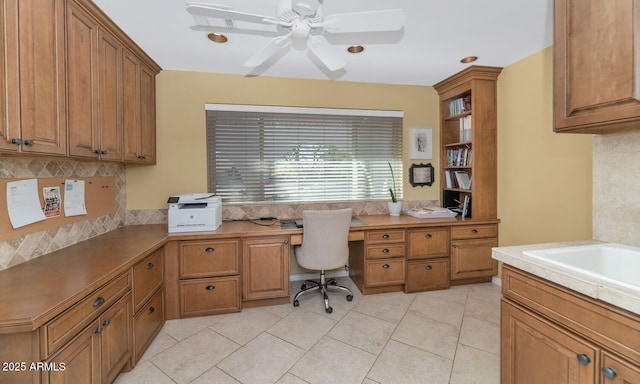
(16,141)
(385,266)
(98,330)
(210,287)
(609,373)
(428,236)
(386,250)
(106,323)
(474,231)
(385,236)
(141,157)
(583,359)
(28,142)
(149,265)
(210,249)
(150,310)
(428,267)
(98,302)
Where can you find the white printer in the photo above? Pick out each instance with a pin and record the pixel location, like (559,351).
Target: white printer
(194,212)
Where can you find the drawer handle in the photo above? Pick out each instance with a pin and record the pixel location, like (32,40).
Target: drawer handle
(150,265)
(474,231)
(98,302)
(428,267)
(150,310)
(609,373)
(385,266)
(428,236)
(385,236)
(583,359)
(98,331)
(386,250)
(106,323)
(210,249)
(210,287)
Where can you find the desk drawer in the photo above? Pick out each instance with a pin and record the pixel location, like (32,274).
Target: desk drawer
(147,324)
(208,258)
(474,231)
(61,329)
(147,277)
(210,296)
(385,251)
(384,272)
(427,275)
(394,235)
(427,243)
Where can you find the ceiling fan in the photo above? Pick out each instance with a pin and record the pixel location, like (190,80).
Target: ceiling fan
(300,20)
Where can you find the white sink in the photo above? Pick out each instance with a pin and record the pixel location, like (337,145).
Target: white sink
(612,263)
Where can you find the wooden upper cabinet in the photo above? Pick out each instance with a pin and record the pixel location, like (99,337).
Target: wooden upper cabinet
(41,38)
(9,97)
(597,84)
(139,113)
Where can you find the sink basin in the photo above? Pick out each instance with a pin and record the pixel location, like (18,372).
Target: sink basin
(611,262)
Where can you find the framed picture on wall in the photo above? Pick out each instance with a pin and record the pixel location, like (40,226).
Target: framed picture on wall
(421,143)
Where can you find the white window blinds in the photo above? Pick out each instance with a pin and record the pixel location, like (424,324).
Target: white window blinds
(259,154)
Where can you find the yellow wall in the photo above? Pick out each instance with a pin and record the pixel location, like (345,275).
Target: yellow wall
(544,178)
(181,139)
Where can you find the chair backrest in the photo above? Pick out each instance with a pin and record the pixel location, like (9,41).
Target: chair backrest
(325,243)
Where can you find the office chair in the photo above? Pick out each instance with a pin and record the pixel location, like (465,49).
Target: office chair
(325,246)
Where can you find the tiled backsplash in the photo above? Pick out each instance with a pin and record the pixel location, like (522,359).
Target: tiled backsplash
(24,248)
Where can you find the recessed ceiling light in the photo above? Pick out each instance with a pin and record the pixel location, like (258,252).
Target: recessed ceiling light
(355,49)
(217,37)
(469,59)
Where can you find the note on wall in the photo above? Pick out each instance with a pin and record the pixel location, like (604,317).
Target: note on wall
(23,203)
(74,204)
(52,201)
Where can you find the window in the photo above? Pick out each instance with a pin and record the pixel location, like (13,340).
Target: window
(260,154)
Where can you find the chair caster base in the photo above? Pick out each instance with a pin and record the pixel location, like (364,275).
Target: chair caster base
(329,310)
(349,297)
(296,303)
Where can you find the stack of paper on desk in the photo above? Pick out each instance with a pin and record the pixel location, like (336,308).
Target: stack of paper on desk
(431,213)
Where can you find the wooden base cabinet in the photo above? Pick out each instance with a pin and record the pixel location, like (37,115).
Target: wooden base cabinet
(550,334)
(79,362)
(471,252)
(265,269)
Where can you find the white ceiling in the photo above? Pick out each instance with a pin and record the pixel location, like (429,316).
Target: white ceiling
(436,35)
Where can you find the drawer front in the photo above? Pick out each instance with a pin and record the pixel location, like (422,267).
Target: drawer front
(427,275)
(208,258)
(426,243)
(147,323)
(385,251)
(67,325)
(472,258)
(384,272)
(394,235)
(474,231)
(210,296)
(147,278)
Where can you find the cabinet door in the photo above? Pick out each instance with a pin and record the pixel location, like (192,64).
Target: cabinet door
(81,359)
(9,96)
(533,351)
(109,77)
(472,258)
(430,242)
(147,135)
(617,371)
(147,323)
(41,29)
(265,268)
(82,37)
(116,338)
(589,90)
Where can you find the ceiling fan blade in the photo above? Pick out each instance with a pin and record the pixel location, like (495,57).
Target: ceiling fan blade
(266,52)
(325,53)
(371,21)
(208,10)
(305,8)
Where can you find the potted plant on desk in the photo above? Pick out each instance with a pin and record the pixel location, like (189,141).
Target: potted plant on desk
(395,206)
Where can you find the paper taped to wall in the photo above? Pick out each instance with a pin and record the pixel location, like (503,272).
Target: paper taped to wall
(23,203)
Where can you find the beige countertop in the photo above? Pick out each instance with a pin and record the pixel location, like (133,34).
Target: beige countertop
(581,283)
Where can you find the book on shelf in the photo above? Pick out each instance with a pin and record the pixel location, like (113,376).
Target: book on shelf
(466,206)
(459,105)
(459,157)
(465,128)
(463,180)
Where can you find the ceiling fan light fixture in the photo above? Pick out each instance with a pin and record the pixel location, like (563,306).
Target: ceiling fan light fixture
(217,37)
(469,59)
(355,48)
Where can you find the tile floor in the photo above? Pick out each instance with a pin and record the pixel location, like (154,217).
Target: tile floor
(449,336)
